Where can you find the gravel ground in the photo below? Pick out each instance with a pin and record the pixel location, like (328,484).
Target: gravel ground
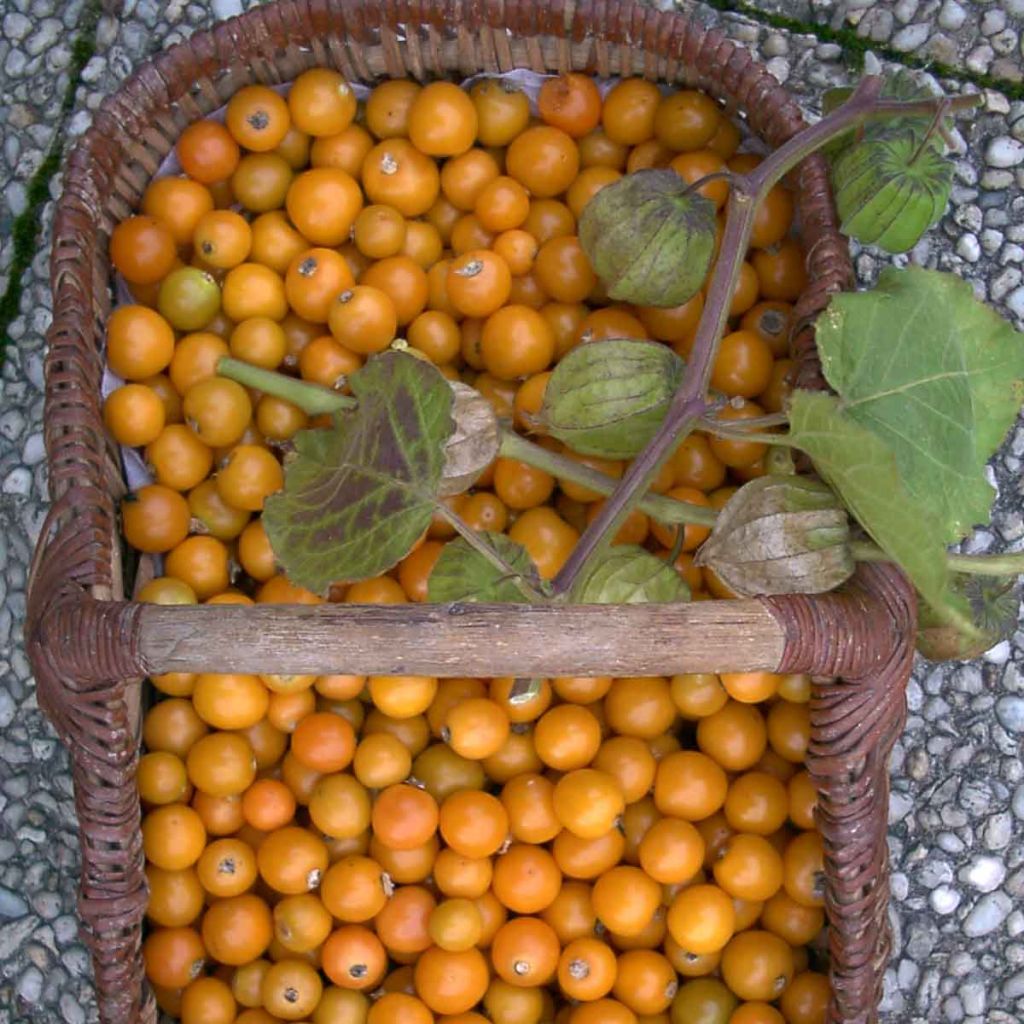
(958,783)
(980,36)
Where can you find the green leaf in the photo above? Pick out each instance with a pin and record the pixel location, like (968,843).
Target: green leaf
(936,376)
(833,99)
(357,497)
(462,573)
(628,574)
(863,470)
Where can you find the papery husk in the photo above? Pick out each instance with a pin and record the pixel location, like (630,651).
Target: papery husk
(474,443)
(780,535)
(608,398)
(890,190)
(650,237)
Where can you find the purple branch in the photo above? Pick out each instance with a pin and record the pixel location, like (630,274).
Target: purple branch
(690,401)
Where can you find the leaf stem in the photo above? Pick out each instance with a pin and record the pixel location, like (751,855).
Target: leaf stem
(690,401)
(312,399)
(677,548)
(864,105)
(773,419)
(697,185)
(665,510)
(482,548)
(1007,564)
(928,135)
(732,434)
(866,551)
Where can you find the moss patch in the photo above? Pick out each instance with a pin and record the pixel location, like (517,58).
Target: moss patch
(25,231)
(854,47)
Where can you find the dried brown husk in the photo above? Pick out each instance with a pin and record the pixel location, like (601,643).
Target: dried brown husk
(780,535)
(474,443)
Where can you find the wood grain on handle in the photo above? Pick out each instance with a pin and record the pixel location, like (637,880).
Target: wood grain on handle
(461,640)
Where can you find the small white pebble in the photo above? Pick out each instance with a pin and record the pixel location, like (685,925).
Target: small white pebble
(34,450)
(226,8)
(944,900)
(968,248)
(1003,151)
(778,67)
(998,655)
(952,15)
(1015,302)
(18,481)
(987,914)
(984,873)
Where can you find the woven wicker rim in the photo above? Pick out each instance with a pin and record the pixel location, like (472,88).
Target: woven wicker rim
(83,642)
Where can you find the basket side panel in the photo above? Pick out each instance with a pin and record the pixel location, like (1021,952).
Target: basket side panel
(858,707)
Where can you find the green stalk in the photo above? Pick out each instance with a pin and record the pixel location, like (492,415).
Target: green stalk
(665,510)
(312,399)
(677,548)
(315,400)
(712,424)
(733,434)
(1009,564)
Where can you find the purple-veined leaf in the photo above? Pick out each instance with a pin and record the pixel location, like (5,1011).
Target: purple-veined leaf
(357,496)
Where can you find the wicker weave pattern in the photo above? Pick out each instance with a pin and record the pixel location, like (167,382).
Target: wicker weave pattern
(855,720)
(83,641)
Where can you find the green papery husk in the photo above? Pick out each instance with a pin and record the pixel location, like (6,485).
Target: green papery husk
(650,238)
(608,398)
(629,574)
(890,190)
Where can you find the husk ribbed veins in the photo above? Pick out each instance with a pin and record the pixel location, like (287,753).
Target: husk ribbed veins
(890,191)
(608,398)
(780,535)
(650,239)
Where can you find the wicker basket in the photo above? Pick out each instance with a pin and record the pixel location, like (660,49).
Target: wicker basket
(90,648)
